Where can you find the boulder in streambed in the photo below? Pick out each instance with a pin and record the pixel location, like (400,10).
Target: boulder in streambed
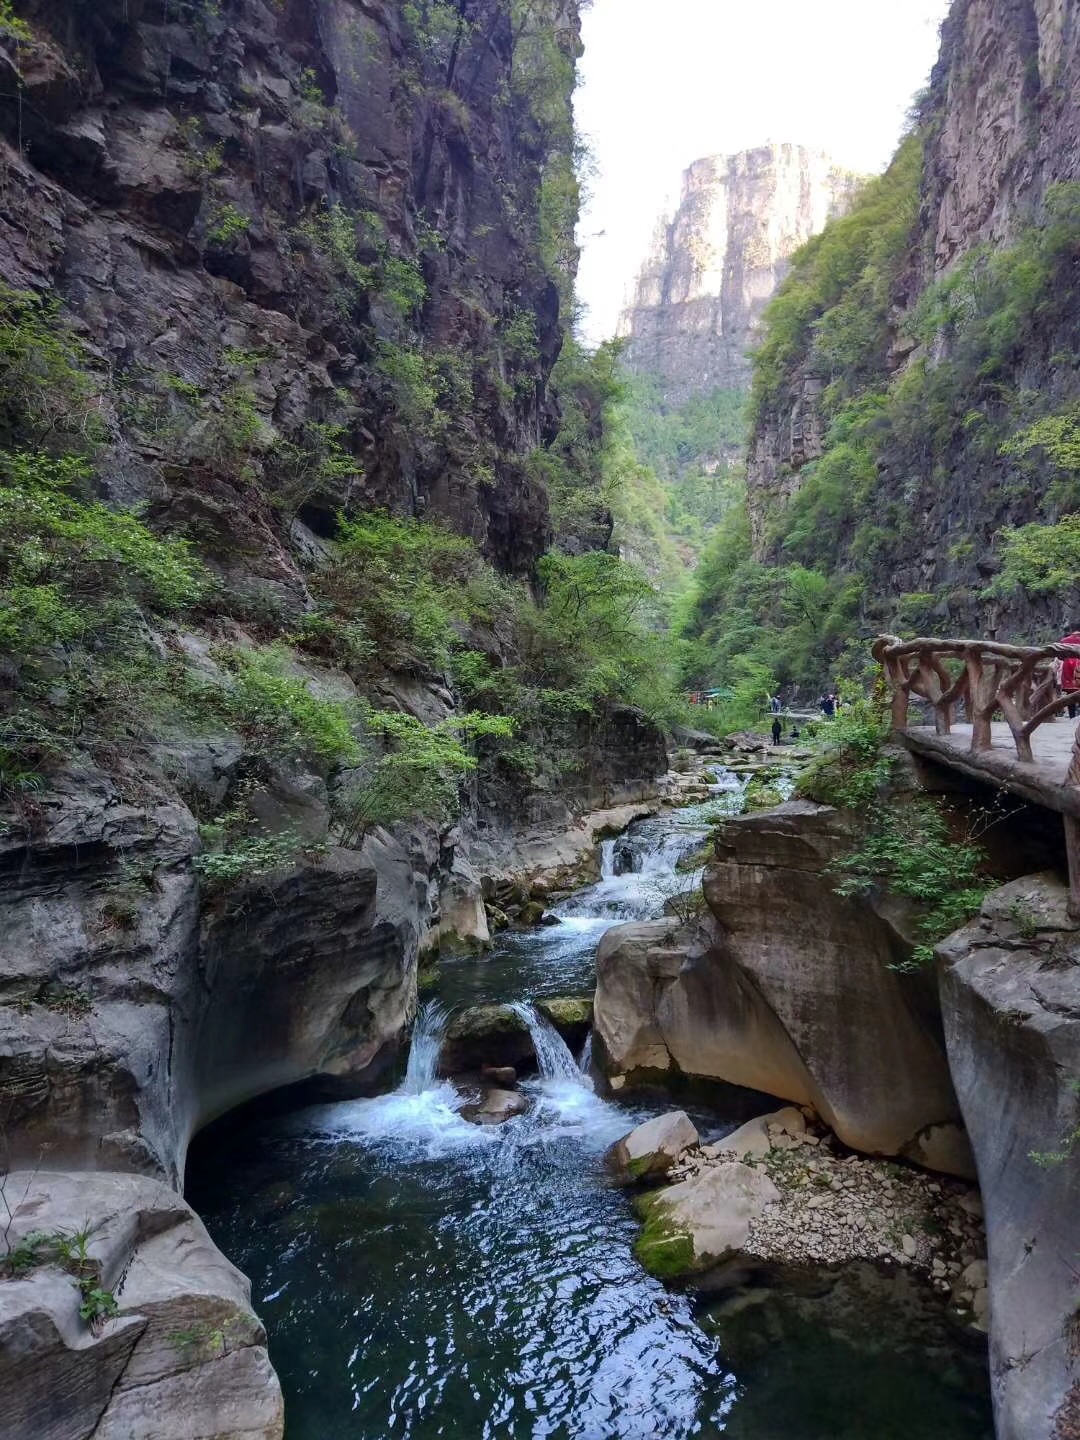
(495,1107)
(777,1131)
(571,1015)
(649,1152)
(703,1221)
(486,1035)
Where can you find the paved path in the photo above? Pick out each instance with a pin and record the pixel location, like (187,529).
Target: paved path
(1041,782)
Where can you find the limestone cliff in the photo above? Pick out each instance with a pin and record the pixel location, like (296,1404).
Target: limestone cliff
(263,266)
(894,404)
(715,264)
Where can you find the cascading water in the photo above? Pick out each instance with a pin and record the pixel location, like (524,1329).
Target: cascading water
(585,1063)
(553,1059)
(427,1037)
(420,1276)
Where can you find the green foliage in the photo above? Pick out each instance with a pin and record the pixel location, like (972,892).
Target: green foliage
(400,586)
(575,465)
(315,464)
(97,1303)
(72,568)
(12,26)
(836,297)
(850,769)
(249,856)
(226,224)
(1040,559)
(910,850)
(418,773)
(334,233)
(277,711)
(48,400)
(1058,436)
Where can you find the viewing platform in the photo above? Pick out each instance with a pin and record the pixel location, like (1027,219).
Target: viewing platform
(1033,751)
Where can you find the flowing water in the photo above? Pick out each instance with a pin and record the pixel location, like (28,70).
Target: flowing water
(422,1277)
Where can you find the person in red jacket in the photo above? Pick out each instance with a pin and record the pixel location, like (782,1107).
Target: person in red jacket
(1069,675)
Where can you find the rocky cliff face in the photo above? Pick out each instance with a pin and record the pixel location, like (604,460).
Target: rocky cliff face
(297,260)
(339,199)
(747,1001)
(714,266)
(866,458)
(1011,1001)
(1003,109)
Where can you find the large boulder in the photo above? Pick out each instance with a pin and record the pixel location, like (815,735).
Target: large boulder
(1010,986)
(486,1035)
(649,1152)
(789,991)
(702,1222)
(183,1354)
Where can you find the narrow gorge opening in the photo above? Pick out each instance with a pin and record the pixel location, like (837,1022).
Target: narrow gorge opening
(500,932)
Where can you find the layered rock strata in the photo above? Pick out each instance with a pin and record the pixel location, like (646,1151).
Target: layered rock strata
(787,988)
(717,262)
(1010,986)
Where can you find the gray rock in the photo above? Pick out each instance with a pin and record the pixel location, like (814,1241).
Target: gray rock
(185,1355)
(789,992)
(649,1152)
(1012,1025)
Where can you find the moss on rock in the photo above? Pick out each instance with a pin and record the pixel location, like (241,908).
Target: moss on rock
(662,1248)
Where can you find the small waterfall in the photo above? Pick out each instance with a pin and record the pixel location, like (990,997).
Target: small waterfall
(553,1058)
(427,1038)
(585,1063)
(607,860)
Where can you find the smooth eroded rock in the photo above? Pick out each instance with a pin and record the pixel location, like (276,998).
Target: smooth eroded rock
(184,1356)
(703,1221)
(1010,984)
(649,1152)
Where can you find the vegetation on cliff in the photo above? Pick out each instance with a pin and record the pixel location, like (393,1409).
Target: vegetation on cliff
(225,537)
(917,847)
(919,397)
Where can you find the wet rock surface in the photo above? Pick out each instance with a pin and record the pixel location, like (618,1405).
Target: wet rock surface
(1010,985)
(782,1191)
(183,1350)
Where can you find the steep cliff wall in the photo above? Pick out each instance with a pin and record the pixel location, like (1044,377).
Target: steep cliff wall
(340,199)
(267,272)
(713,267)
(917,375)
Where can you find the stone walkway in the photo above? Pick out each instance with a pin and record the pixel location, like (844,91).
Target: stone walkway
(1041,782)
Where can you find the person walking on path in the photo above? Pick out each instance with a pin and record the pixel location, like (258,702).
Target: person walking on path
(777,731)
(1069,675)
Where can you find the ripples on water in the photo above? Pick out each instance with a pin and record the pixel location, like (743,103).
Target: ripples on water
(422,1277)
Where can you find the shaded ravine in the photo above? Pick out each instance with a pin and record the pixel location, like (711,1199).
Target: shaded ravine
(421,1277)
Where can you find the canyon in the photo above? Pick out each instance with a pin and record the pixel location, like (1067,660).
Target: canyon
(716,262)
(323,690)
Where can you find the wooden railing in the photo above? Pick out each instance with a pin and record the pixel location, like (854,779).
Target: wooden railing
(986,677)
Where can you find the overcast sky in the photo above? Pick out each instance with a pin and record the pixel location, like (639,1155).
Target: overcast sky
(667,81)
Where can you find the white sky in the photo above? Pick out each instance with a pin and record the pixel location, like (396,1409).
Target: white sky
(667,81)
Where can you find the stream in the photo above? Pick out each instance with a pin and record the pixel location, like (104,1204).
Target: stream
(420,1276)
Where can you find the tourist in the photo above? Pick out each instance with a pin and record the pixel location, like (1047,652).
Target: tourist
(828,706)
(777,731)
(794,732)
(1069,675)
(774,704)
